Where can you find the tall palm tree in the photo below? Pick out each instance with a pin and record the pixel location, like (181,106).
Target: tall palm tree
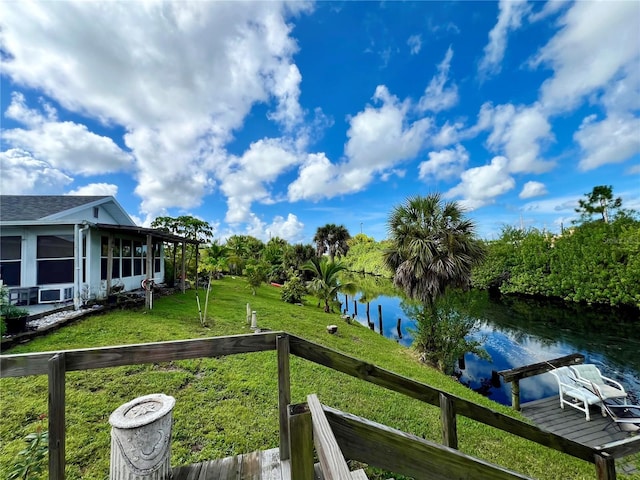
(332,239)
(325,284)
(432,247)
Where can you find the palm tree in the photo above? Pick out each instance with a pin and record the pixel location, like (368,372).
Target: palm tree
(432,247)
(332,239)
(325,285)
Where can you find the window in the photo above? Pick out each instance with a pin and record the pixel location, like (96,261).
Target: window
(55,259)
(127,257)
(10,259)
(96,212)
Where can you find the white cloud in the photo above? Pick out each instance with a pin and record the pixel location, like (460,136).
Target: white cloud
(549,8)
(180,78)
(481,185)
(289,229)
(612,140)
(96,189)
(586,55)
(244,179)
(24,174)
(436,97)
(415,44)
(565,204)
(509,19)
(517,133)
(445,164)
(533,189)
(315,180)
(449,134)
(66,146)
(379,139)
(633,170)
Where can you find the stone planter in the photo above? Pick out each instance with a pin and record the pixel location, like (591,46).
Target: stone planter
(141,438)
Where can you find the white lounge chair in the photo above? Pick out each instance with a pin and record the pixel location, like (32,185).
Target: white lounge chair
(589,375)
(574,393)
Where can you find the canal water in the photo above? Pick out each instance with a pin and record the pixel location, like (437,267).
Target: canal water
(518,332)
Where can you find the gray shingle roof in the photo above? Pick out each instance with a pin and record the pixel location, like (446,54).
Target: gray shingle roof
(35,207)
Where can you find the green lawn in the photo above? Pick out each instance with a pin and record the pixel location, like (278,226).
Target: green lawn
(228,405)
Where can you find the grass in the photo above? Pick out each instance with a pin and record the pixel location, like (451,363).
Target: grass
(226,406)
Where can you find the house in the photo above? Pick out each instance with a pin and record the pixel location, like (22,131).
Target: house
(64,248)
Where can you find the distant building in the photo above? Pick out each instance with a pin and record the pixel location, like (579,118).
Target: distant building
(56,249)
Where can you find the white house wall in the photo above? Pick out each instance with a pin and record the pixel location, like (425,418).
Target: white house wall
(94,286)
(87,214)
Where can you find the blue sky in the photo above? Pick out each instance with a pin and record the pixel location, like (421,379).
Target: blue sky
(272,119)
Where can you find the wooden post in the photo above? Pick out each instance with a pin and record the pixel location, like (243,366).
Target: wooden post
(149,276)
(197,247)
(301,442)
(175,269)
(399,328)
(346,303)
(184,268)
(57,367)
(368,316)
(462,365)
(515,394)
(449,424)
(380,319)
(605,467)
(284,394)
(109,263)
(355,307)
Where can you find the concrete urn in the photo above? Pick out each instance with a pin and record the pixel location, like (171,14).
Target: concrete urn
(141,438)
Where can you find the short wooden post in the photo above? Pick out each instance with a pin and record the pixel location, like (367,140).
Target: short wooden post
(398,327)
(605,467)
(355,307)
(346,302)
(515,394)
(368,316)
(284,394)
(57,368)
(301,442)
(380,319)
(449,424)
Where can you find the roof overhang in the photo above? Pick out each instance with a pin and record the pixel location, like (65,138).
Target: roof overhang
(154,232)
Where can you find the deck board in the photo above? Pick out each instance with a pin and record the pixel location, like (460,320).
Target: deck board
(571,423)
(258,465)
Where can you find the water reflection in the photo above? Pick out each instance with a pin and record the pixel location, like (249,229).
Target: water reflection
(520,332)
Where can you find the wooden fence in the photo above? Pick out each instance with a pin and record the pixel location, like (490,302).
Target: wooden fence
(56,364)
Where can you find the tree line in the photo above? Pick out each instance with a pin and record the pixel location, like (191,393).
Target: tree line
(596,260)
(432,252)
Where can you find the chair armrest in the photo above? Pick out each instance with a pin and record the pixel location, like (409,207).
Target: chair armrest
(614,383)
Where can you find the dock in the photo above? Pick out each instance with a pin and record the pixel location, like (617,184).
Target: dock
(571,423)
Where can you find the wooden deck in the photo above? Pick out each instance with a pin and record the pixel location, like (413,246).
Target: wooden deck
(571,423)
(259,465)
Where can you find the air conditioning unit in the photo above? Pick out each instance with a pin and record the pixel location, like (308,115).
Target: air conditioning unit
(55,294)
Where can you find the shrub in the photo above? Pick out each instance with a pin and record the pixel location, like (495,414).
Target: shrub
(293,289)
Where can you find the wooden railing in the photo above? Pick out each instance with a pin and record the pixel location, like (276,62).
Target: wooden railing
(514,375)
(56,364)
